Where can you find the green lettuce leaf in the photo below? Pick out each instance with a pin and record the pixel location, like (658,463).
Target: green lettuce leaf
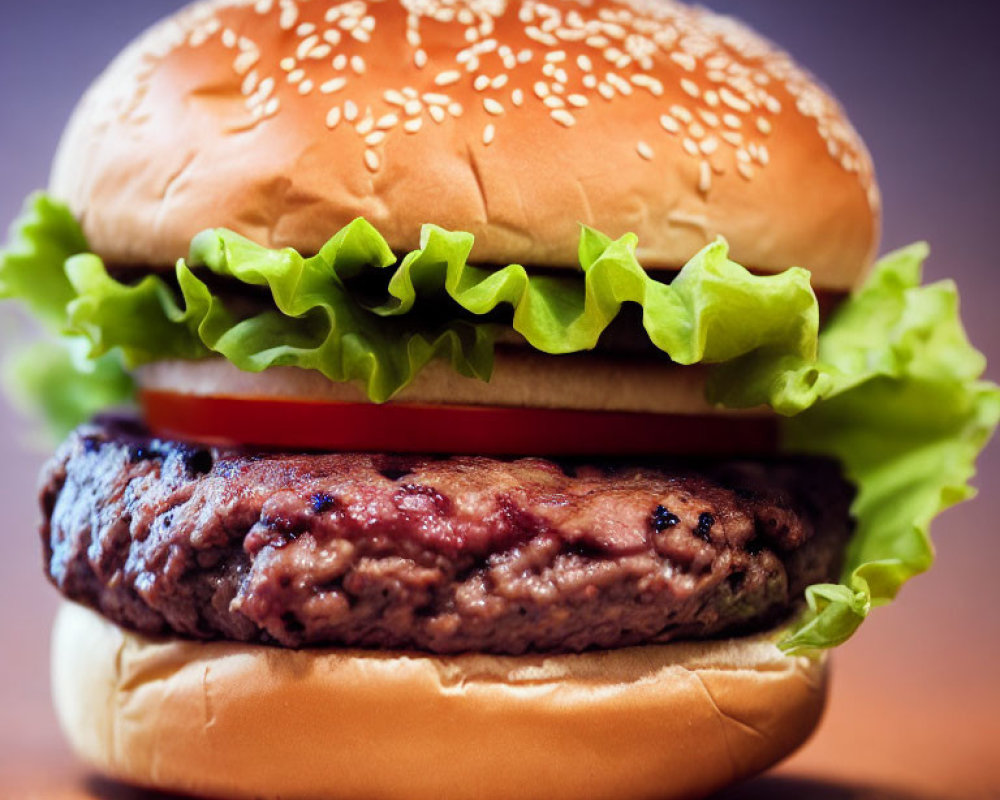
(902,408)
(319,322)
(891,387)
(53,379)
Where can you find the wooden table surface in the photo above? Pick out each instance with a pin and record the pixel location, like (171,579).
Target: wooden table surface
(914,710)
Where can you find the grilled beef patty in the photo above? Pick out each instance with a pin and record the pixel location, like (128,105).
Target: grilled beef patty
(436,554)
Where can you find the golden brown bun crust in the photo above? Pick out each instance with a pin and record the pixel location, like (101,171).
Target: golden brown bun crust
(283,121)
(238,721)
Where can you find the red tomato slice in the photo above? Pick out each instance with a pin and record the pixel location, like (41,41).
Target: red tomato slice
(482,430)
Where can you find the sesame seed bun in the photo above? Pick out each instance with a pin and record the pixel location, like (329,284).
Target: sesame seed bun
(243,721)
(283,121)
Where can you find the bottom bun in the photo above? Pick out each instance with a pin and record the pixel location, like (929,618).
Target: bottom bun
(231,720)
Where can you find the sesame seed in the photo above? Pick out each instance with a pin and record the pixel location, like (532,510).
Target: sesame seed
(371,160)
(563,117)
(645,81)
(249,82)
(420,59)
(605,91)
(374,138)
(709,118)
(305,29)
(619,83)
(681,113)
(455,109)
(492,106)
(365,126)
(340,61)
(287,63)
(333,117)
(320,51)
(732,121)
(577,100)
(296,75)
(333,85)
(524,56)
(712,98)
(413,125)
(489,132)
(499,82)
(540,36)
(331,36)
(266,86)
(709,145)
(555,56)
(350,110)
(387,121)
(305,87)
(436,99)
(412,37)
(590,81)
(584,63)
(410,93)
(763,155)
(517,97)
(289,16)
(669,124)
(763,125)
(745,170)
(772,105)
(541,89)
(245,61)
(358,64)
(437,113)
(685,60)
(229,38)
(704,177)
(412,108)
(696,130)
(305,46)
(690,87)
(394,97)
(743,156)
(690,146)
(271,106)
(734,102)
(644,150)
(481,82)
(732,137)
(448,77)
(552,101)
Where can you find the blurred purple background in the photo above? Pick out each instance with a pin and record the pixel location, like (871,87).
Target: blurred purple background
(919,80)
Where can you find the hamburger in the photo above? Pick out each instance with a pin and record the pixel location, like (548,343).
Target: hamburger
(516,409)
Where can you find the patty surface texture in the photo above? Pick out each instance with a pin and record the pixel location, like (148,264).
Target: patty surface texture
(436,554)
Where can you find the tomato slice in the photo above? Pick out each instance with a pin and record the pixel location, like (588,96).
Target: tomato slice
(483,430)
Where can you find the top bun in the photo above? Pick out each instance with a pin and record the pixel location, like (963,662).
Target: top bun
(513,120)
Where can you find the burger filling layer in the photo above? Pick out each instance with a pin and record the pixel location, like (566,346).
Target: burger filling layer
(438,554)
